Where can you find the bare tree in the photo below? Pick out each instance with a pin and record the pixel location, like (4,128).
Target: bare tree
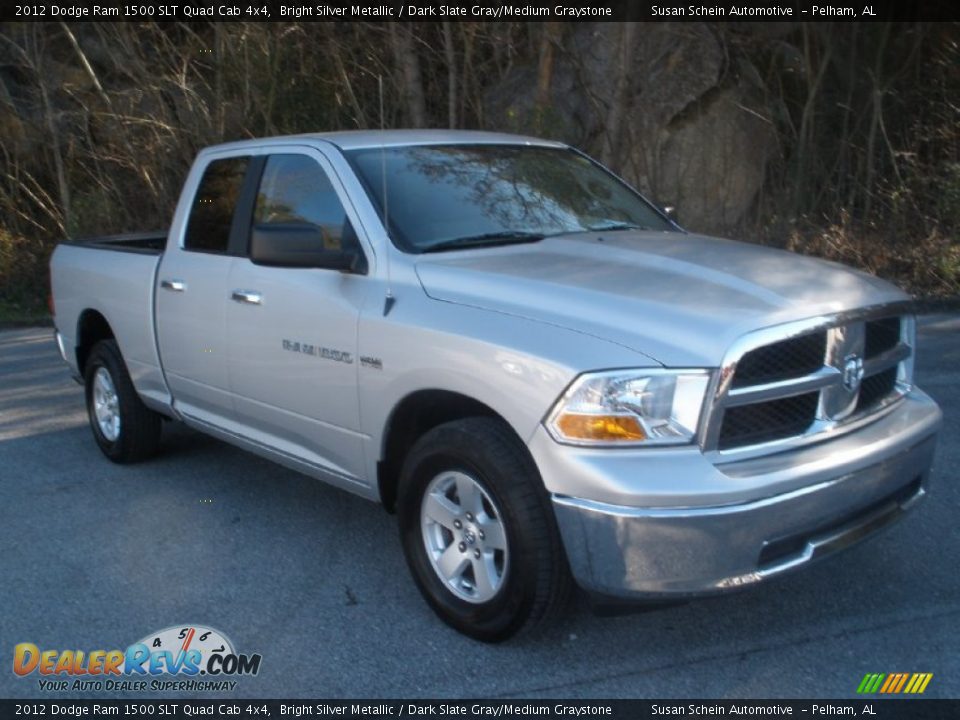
(405,52)
(548,42)
(623,72)
(451,58)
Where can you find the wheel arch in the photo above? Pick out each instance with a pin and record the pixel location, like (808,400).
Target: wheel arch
(92,327)
(418,413)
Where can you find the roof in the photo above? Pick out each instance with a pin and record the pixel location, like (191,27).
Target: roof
(356,139)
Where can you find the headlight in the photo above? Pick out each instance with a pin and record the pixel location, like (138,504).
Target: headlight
(630,407)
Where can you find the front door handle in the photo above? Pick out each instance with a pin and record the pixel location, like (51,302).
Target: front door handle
(251,297)
(173,285)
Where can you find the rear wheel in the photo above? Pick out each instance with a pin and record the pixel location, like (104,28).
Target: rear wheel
(478,531)
(124,428)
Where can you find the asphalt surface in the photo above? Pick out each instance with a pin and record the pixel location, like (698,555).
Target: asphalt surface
(97,556)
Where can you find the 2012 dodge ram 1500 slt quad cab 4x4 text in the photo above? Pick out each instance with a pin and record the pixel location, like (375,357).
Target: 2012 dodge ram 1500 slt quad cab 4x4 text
(494,336)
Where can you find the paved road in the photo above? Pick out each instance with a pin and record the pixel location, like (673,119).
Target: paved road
(96,556)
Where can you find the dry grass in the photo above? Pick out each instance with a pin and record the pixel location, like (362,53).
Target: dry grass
(927,266)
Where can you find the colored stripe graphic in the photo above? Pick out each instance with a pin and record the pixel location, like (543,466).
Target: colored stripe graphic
(870,683)
(894,683)
(918,683)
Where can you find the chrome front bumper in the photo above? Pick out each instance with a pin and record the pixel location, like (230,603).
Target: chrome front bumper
(838,496)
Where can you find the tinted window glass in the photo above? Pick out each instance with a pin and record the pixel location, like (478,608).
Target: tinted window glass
(208,229)
(441,193)
(294,189)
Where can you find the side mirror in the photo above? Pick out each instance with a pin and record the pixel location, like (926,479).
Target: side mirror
(299,245)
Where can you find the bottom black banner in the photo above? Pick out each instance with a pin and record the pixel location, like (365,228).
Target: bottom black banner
(867,708)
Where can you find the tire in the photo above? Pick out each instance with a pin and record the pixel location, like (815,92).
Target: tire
(125,429)
(478,530)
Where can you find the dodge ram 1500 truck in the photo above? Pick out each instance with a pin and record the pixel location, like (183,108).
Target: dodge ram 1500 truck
(534,367)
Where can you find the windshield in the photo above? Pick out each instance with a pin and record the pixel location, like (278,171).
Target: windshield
(442,197)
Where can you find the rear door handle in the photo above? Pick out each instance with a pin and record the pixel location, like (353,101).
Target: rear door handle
(173,285)
(251,297)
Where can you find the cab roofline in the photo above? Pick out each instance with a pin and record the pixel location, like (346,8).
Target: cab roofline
(362,139)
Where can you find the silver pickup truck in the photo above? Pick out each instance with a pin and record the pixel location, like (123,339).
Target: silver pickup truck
(534,367)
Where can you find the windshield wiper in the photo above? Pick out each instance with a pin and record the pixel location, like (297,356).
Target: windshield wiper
(492,239)
(611,227)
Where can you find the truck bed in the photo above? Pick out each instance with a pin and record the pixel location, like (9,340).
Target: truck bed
(119,286)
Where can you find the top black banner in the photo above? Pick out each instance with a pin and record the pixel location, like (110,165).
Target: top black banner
(484,10)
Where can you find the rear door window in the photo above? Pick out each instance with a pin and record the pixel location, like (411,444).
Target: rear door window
(211,217)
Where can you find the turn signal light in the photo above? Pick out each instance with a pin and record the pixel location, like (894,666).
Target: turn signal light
(602,428)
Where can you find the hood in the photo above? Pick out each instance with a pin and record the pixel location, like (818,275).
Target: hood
(679,299)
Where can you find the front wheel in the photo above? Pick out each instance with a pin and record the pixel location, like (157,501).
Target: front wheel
(478,531)
(125,429)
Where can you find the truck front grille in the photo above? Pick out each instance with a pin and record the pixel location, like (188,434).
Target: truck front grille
(782,360)
(767,421)
(876,388)
(782,385)
(881,335)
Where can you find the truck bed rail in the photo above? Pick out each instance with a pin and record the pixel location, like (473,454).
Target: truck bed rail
(147,243)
